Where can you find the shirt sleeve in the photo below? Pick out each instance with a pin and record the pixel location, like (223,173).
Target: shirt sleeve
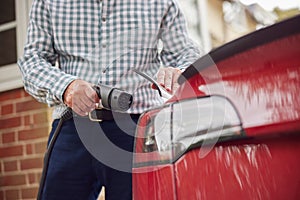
(178,49)
(42,79)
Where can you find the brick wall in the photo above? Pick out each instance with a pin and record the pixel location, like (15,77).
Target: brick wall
(24,128)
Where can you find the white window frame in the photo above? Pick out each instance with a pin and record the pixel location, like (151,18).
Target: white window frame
(10,76)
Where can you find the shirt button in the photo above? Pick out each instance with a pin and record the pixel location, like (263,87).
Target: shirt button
(103,45)
(103,19)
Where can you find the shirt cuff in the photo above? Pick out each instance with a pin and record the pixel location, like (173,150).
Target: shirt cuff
(61,85)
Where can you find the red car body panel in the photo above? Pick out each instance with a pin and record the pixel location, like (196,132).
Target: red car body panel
(261,77)
(155,183)
(263,83)
(254,169)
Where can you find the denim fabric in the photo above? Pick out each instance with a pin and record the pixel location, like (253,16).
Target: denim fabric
(74,173)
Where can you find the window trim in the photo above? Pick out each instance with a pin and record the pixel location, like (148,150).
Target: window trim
(10,76)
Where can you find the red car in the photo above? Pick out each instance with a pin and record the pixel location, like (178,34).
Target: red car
(232,131)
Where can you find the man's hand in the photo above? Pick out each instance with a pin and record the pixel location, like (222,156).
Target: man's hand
(167,77)
(81,97)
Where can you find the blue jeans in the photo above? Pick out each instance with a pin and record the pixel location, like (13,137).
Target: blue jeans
(74,173)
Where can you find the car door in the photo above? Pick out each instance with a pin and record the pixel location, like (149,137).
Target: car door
(232,130)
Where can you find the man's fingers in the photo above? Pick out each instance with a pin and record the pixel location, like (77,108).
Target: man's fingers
(81,97)
(92,94)
(81,106)
(78,109)
(176,74)
(169,79)
(161,76)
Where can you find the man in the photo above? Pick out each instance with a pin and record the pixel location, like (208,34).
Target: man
(99,42)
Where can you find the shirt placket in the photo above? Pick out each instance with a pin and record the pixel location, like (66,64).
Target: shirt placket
(104,36)
(103,19)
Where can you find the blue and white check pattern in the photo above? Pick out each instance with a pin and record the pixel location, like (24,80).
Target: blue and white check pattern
(101,41)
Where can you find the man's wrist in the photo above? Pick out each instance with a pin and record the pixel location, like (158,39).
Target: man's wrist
(67,95)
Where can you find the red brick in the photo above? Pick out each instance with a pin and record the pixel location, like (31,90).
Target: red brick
(25,94)
(10,95)
(10,122)
(29,149)
(10,166)
(8,138)
(32,178)
(12,194)
(32,163)
(33,133)
(7,109)
(40,147)
(27,120)
(29,106)
(29,193)
(39,175)
(13,180)
(11,151)
(40,118)
(1,194)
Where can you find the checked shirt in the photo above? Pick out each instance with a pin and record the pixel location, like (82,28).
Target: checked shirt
(101,41)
